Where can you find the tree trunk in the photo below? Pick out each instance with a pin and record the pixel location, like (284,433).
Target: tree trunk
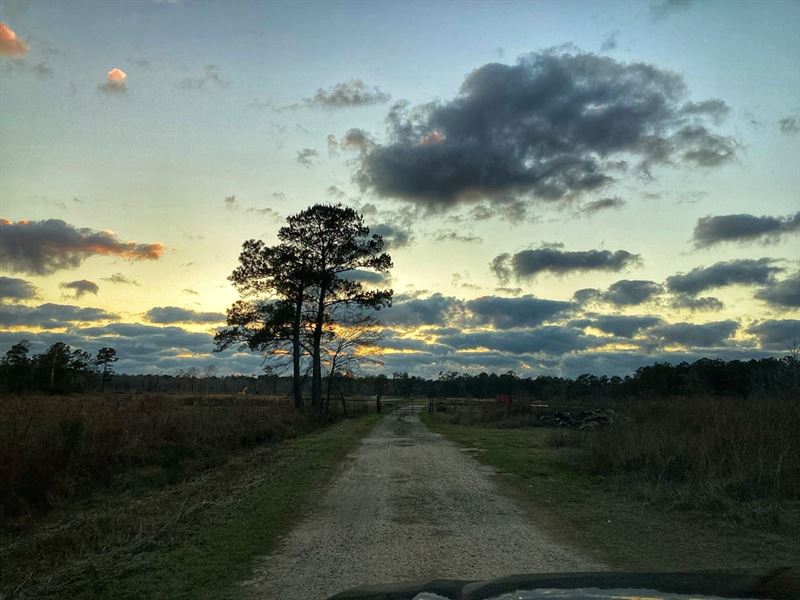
(296,383)
(316,371)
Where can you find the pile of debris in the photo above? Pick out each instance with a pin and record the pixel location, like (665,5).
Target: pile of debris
(586,420)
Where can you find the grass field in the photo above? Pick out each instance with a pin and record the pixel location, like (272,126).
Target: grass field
(149,535)
(546,470)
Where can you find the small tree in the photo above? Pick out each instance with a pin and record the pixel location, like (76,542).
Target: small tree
(353,343)
(104,361)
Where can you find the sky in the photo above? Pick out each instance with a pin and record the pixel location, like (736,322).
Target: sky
(564,187)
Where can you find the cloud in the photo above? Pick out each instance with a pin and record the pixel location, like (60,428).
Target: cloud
(722,274)
(266,212)
(433,310)
(777,334)
(394,236)
(742,228)
(706,303)
(306,156)
(43,247)
(119,278)
(348,94)
(527,264)
(551,339)
(211,76)
(15,289)
(191,291)
(356,139)
(230,202)
(174,314)
(81,287)
(626,326)
(553,126)
(661,9)
(789,125)
(705,335)
(50,316)
(784,293)
(610,41)
(10,44)
(20,65)
(116,82)
(630,292)
(448,235)
(506,313)
(363,276)
(594,207)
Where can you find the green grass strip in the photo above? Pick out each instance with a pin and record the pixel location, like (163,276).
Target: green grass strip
(542,469)
(218,549)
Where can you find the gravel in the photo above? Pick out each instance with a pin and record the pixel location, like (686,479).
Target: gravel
(407,505)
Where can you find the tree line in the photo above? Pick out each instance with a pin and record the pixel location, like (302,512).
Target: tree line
(59,369)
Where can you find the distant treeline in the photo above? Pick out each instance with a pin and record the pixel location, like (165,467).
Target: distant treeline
(62,369)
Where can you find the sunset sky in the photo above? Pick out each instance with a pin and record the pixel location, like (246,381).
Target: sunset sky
(563,186)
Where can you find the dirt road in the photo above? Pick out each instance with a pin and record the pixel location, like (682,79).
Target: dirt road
(407,504)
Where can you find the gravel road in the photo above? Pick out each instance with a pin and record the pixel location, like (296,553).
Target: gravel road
(407,504)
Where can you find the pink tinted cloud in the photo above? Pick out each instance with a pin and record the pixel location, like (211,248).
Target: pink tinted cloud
(116,82)
(44,247)
(10,44)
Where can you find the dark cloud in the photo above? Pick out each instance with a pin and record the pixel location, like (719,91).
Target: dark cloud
(43,247)
(211,76)
(784,294)
(554,125)
(705,303)
(506,313)
(394,236)
(704,335)
(527,264)
(448,235)
(347,94)
(306,156)
(15,289)
(591,208)
(722,274)
(20,65)
(661,9)
(777,334)
(630,292)
(369,277)
(119,278)
(626,326)
(610,42)
(174,314)
(433,310)
(789,125)
(50,316)
(515,291)
(553,339)
(81,287)
(742,228)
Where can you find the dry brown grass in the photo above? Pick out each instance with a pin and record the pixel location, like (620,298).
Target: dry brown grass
(57,448)
(729,455)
